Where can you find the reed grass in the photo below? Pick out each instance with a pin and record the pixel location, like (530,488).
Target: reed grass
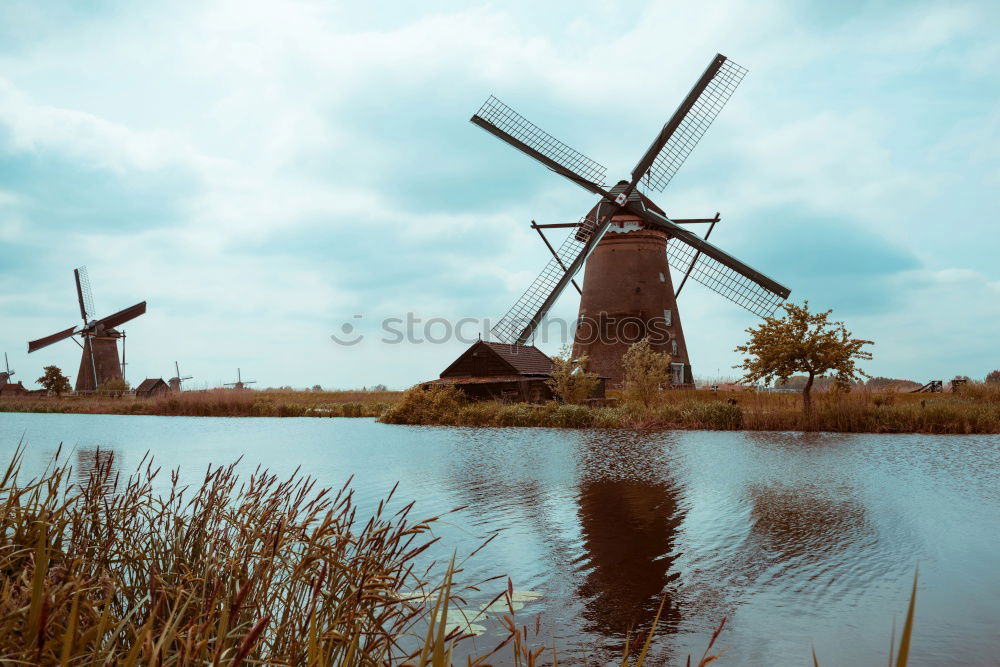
(105,571)
(216,403)
(97,569)
(974,409)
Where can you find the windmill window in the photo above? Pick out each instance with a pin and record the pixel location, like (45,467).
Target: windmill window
(673,347)
(662,278)
(668,318)
(677,373)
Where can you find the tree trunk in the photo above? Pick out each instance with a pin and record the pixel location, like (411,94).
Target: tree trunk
(806,397)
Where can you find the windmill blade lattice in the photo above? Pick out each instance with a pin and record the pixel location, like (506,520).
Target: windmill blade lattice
(695,122)
(85,294)
(513,323)
(723,280)
(501,116)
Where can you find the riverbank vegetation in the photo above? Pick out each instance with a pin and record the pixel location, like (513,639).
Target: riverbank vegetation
(216,403)
(975,408)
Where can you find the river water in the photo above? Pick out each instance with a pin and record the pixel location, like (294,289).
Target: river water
(799,540)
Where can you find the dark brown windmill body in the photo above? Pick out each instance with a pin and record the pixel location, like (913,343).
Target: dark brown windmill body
(628,295)
(628,243)
(100,361)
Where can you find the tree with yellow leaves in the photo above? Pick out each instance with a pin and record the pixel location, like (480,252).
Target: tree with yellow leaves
(647,373)
(570,381)
(802,342)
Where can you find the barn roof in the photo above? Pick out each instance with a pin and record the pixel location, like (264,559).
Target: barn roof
(518,360)
(525,359)
(149,384)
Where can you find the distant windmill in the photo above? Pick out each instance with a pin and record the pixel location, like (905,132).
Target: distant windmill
(175,382)
(626,239)
(240,382)
(5,375)
(99,362)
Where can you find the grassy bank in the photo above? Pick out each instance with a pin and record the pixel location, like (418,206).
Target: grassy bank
(217,403)
(975,409)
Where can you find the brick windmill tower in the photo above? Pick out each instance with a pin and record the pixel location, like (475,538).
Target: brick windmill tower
(99,361)
(628,243)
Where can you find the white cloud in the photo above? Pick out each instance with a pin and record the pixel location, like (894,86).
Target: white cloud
(93,141)
(300,127)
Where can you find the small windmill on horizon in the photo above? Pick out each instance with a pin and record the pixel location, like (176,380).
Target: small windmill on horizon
(628,243)
(240,382)
(99,361)
(8,386)
(5,375)
(175,382)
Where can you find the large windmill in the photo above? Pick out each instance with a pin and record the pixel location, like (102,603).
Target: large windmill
(175,382)
(100,361)
(628,242)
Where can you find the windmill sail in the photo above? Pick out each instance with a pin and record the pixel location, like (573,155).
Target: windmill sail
(517,325)
(688,124)
(713,274)
(122,316)
(54,338)
(499,119)
(84,294)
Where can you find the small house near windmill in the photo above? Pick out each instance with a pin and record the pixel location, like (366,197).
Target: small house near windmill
(13,389)
(151,387)
(500,371)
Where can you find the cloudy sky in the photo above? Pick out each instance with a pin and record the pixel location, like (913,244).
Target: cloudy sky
(262,173)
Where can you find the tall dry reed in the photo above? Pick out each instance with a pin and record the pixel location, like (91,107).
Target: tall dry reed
(105,570)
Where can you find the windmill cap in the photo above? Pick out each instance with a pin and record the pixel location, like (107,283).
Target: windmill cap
(634,196)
